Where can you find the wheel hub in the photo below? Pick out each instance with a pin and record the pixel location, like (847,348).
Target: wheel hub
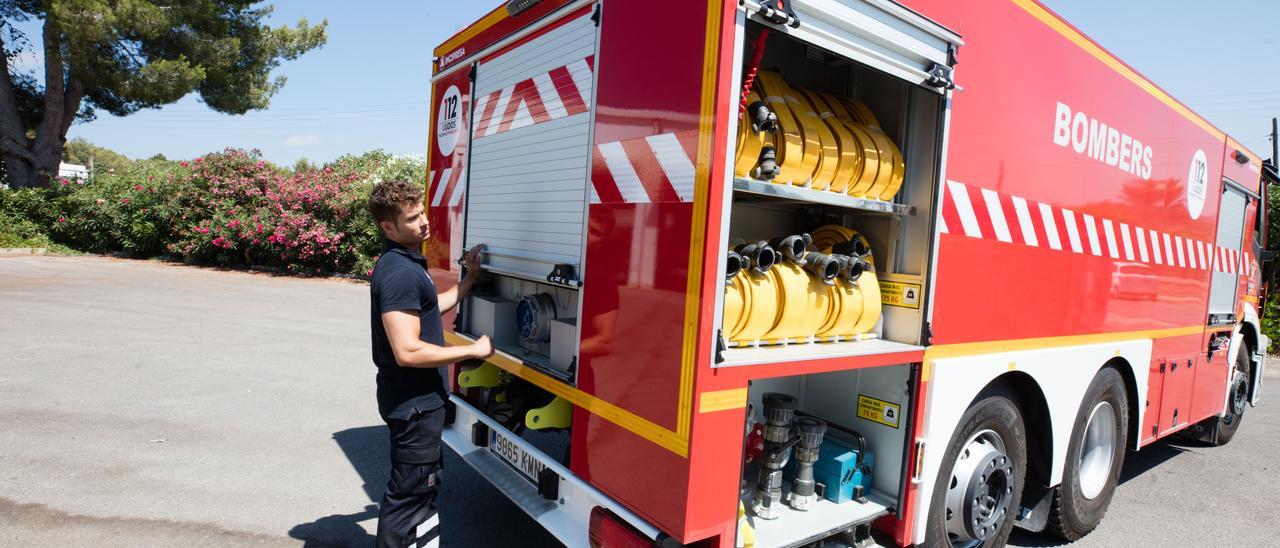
(1239,393)
(1097,450)
(981,489)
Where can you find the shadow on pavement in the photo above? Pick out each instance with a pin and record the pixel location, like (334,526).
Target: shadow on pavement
(366,448)
(1135,464)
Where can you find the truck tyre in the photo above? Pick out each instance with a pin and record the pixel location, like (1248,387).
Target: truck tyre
(1094,458)
(975,499)
(1237,400)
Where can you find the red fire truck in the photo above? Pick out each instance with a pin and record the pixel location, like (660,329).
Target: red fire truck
(770,273)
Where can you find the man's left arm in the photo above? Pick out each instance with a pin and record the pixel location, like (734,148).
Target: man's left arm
(455,294)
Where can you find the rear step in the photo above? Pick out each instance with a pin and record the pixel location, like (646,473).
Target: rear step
(568,516)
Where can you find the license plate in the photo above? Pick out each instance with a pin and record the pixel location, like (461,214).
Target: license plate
(513,455)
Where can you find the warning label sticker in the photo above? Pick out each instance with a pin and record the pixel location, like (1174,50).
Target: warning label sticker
(900,294)
(880,411)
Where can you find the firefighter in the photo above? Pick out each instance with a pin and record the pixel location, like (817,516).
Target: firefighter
(409,351)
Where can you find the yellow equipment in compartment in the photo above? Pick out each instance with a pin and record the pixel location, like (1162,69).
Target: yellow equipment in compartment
(822,141)
(787,304)
(792,284)
(793,150)
(754,287)
(750,143)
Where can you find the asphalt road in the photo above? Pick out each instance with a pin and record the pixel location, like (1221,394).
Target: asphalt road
(151,404)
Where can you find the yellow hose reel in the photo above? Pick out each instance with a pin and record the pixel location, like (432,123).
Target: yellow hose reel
(822,141)
(781,292)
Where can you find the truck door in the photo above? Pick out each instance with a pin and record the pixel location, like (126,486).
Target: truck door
(1224,284)
(531,145)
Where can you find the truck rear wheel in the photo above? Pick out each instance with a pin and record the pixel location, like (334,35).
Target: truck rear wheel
(975,499)
(1094,458)
(1237,400)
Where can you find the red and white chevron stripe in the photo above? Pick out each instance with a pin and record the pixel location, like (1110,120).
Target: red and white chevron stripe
(446,182)
(983,213)
(655,168)
(563,91)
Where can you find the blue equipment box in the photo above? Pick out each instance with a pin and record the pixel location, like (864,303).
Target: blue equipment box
(837,469)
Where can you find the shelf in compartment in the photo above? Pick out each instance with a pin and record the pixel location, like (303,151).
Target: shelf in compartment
(805,194)
(814,351)
(795,528)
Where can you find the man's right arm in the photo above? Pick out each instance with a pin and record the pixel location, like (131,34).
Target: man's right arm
(403,331)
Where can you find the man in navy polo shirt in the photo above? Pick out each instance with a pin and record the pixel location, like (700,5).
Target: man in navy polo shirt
(409,350)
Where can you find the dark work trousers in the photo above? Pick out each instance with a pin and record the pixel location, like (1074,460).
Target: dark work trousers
(407,515)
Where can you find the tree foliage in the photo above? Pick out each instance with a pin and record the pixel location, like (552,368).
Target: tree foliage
(105,160)
(121,56)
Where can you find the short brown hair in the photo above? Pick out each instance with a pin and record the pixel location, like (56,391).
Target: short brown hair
(389,198)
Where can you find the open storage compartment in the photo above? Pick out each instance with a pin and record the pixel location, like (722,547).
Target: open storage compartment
(858,469)
(852,161)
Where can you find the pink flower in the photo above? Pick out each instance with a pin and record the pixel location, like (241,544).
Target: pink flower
(233,223)
(203,230)
(64,182)
(137,187)
(183,164)
(221,242)
(198,160)
(124,200)
(62,219)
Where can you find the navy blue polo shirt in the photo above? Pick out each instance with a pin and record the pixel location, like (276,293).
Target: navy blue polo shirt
(401,282)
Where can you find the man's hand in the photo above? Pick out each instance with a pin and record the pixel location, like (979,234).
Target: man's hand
(471,261)
(482,348)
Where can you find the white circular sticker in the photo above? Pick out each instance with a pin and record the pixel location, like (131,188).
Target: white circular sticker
(449,121)
(1197,184)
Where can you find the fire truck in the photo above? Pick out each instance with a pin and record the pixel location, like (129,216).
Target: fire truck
(782,273)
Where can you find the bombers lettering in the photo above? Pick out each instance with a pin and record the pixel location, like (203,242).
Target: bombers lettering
(1093,138)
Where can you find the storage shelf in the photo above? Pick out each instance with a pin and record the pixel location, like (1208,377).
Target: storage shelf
(813,351)
(795,528)
(805,194)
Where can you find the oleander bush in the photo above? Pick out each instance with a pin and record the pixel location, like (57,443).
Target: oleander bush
(230,208)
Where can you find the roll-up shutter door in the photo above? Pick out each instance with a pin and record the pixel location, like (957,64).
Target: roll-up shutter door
(1222,291)
(530,151)
(879,33)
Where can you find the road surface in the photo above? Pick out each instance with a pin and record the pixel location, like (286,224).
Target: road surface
(144,403)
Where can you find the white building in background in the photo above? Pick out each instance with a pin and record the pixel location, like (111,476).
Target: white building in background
(72,171)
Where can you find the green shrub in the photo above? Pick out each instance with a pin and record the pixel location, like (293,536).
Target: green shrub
(229,208)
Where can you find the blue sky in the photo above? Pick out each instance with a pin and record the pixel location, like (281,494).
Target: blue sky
(368,87)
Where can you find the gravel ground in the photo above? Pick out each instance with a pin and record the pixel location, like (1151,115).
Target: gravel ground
(151,404)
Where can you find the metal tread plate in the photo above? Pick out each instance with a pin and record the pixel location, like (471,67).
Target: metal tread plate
(794,528)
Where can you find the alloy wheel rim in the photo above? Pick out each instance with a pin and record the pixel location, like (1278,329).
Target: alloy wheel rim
(1098,450)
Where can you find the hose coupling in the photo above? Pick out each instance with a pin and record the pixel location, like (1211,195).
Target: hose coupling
(792,247)
(733,263)
(759,256)
(824,267)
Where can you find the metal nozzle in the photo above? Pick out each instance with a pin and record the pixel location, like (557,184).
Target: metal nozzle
(759,256)
(824,267)
(793,247)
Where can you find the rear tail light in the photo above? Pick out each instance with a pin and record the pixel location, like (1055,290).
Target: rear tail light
(607,530)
